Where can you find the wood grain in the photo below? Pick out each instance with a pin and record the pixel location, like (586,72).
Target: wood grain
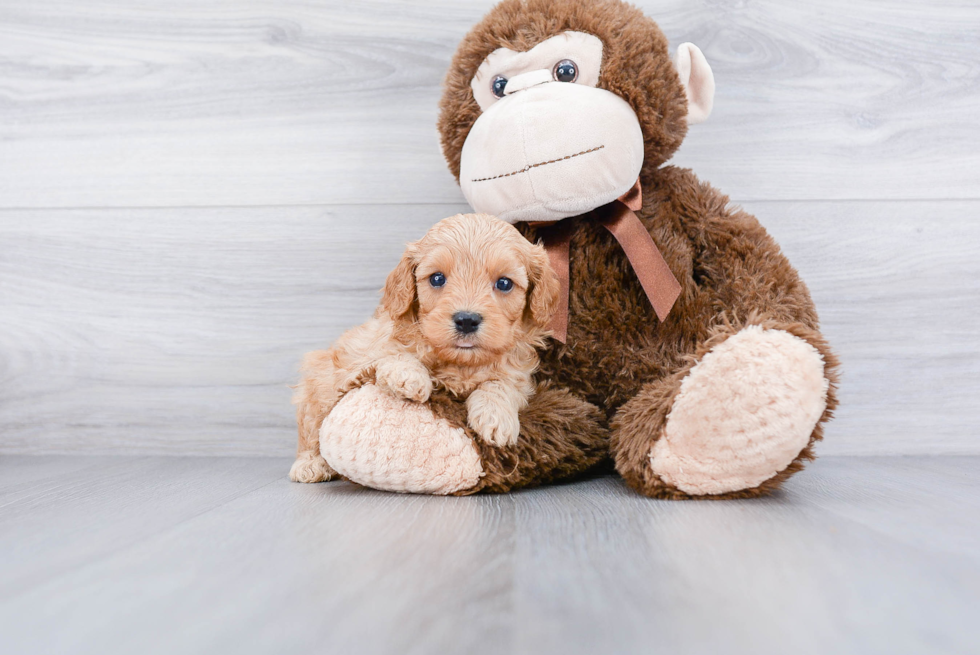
(105,505)
(897,286)
(175,329)
(264,103)
(179,331)
(856,555)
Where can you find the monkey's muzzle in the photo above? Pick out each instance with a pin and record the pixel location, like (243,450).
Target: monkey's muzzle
(551,151)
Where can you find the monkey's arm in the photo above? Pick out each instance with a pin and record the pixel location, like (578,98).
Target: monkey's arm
(732,257)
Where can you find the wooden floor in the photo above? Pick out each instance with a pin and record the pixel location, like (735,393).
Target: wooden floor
(217,555)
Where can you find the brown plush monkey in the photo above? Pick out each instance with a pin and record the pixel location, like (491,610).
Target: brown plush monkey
(693,359)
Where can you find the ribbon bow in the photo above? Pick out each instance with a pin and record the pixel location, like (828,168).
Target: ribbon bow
(656,278)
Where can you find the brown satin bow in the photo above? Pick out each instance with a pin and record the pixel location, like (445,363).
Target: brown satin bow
(656,278)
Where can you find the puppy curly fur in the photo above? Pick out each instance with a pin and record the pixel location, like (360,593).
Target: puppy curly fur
(412,346)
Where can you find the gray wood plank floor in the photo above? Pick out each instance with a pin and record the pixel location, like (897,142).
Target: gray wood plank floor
(214,555)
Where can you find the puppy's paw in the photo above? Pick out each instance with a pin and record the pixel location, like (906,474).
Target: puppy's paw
(496,422)
(405,378)
(310,468)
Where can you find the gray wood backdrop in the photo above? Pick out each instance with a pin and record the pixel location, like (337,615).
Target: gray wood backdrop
(193,194)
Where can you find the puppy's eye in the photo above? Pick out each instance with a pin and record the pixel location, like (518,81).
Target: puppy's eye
(565,71)
(498,85)
(504,284)
(437,279)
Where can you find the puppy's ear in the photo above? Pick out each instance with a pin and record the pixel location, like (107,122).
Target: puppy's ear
(398,297)
(543,288)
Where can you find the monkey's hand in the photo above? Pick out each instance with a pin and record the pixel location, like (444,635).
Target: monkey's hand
(405,377)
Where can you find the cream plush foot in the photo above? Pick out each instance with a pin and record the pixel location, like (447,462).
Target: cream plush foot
(389,443)
(742,414)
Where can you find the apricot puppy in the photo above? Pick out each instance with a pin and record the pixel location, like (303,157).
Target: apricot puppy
(464,310)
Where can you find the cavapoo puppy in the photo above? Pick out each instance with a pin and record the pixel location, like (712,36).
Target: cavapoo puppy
(463,310)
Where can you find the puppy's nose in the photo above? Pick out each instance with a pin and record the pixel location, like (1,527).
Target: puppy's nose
(467,322)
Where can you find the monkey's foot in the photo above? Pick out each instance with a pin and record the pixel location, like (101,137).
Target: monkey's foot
(742,414)
(389,443)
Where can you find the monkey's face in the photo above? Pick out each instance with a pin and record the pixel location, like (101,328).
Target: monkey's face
(558,123)
(549,143)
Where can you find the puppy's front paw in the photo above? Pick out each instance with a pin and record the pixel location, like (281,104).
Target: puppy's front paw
(310,468)
(496,422)
(407,380)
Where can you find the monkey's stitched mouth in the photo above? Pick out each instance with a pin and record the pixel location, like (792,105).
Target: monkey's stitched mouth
(543,163)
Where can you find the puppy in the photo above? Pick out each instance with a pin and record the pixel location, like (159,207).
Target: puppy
(464,310)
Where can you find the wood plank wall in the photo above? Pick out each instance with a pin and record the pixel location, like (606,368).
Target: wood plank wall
(194,194)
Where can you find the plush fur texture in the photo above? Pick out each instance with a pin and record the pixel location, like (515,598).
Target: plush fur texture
(625,381)
(757,426)
(414,344)
(648,414)
(395,444)
(619,356)
(561,437)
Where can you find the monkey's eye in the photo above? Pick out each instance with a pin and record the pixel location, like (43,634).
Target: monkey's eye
(437,279)
(565,71)
(498,85)
(504,284)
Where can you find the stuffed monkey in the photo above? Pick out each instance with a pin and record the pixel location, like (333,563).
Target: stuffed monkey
(688,350)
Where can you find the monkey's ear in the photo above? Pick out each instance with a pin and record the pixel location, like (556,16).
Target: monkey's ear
(398,296)
(698,81)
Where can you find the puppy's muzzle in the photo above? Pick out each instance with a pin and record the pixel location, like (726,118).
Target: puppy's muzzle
(467,322)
